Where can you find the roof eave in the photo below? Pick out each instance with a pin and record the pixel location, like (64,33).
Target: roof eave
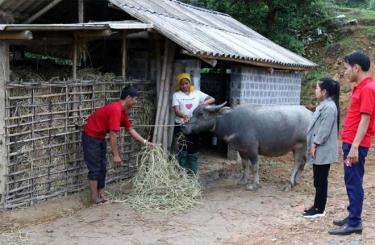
(254,62)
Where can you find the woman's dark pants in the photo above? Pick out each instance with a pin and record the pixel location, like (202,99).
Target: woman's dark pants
(187,154)
(321,185)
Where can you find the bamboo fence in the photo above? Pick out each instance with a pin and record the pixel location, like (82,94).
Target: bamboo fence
(43,135)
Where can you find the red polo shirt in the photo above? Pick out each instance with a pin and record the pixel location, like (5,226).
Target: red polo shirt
(107,118)
(362,101)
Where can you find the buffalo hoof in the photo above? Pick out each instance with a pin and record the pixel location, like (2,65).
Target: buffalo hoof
(252,187)
(242,181)
(287,187)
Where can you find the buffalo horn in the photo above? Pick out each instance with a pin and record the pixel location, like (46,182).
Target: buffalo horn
(214,108)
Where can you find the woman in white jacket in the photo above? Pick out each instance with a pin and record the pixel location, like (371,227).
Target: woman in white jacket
(322,141)
(185,100)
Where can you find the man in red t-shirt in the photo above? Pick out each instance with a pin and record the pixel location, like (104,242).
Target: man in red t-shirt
(356,136)
(108,118)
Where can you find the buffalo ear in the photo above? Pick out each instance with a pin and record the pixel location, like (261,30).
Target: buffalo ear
(214,108)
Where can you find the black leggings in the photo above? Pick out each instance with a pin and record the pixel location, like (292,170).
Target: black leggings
(321,185)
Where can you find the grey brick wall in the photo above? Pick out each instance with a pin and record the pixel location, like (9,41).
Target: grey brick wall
(251,85)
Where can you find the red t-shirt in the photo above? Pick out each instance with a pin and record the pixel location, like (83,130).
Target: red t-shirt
(362,101)
(107,118)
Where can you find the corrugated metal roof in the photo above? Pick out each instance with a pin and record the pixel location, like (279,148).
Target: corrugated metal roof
(121,25)
(211,34)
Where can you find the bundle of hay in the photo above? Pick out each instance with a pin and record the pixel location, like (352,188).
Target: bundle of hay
(95,74)
(144,115)
(16,238)
(161,184)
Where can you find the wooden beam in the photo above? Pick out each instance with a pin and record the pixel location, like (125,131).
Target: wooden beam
(111,5)
(81,11)
(93,34)
(42,11)
(60,38)
(4,78)
(19,35)
(124,55)
(211,62)
(53,38)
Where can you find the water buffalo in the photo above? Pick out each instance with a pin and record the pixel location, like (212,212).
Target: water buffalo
(255,130)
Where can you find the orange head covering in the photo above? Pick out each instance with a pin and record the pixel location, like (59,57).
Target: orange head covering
(184,76)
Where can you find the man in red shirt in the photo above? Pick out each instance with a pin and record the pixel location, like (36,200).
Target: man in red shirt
(356,136)
(108,118)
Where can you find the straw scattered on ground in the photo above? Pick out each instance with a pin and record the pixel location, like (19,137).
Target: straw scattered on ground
(16,238)
(160,184)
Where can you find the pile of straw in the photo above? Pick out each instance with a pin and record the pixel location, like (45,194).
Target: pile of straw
(52,73)
(161,184)
(145,115)
(16,238)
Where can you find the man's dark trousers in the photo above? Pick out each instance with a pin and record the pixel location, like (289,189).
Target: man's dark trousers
(354,184)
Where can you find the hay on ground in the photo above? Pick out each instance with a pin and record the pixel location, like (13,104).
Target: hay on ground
(161,184)
(16,238)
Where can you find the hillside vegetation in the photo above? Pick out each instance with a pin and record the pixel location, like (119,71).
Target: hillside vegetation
(338,40)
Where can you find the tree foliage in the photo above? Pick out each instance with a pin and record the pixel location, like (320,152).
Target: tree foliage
(285,22)
(353,3)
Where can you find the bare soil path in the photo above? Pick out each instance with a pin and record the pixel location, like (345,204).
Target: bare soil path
(228,214)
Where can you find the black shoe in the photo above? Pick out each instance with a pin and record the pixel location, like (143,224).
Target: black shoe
(346,230)
(340,222)
(313,213)
(308,209)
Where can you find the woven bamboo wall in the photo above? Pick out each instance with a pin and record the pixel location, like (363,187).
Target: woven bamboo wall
(43,136)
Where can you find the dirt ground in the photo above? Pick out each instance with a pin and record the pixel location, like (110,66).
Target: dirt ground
(228,214)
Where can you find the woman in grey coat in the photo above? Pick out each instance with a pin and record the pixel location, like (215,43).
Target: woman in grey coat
(322,141)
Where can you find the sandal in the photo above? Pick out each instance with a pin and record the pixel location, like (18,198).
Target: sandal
(97,201)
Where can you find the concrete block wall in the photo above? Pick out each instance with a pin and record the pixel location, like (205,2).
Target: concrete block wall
(262,86)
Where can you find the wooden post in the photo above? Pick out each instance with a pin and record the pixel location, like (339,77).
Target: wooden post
(157,137)
(81,11)
(74,106)
(166,108)
(75,57)
(158,63)
(124,55)
(158,83)
(4,78)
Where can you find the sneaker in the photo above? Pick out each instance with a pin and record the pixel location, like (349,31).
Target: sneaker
(313,213)
(308,209)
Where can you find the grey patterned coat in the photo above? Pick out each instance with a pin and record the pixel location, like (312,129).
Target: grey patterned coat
(323,132)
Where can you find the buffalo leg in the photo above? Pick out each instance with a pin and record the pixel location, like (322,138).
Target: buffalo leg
(299,164)
(254,182)
(245,171)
